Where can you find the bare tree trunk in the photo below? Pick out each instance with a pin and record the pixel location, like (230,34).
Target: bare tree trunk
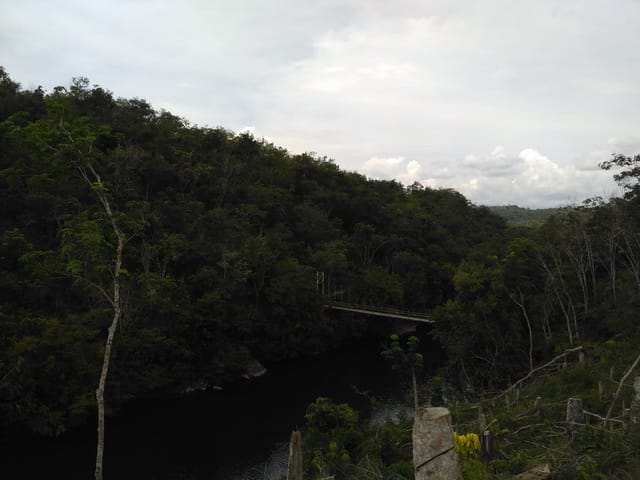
(580,267)
(224,182)
(569,301)
(617,394)
(115,303)
(592,265)
(565,312)
(613,246)
(107,354)
(93,180)
(520,303)
(415,389)
(612,243)
(546,326)
(632,257)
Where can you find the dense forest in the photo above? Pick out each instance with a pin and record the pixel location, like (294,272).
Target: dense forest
(216,239)
(223,234)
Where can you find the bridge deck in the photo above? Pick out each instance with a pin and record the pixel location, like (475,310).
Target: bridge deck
(381,311)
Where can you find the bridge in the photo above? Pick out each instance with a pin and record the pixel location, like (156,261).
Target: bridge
(380,311)
(336,301)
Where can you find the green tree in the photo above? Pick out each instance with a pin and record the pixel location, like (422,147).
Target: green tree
(477,327)
(629,175)
(331,437)
(406,357)
(93,242)
(522,278)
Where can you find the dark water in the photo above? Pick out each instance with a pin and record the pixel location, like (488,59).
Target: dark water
(212,434)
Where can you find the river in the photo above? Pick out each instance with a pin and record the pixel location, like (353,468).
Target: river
(217,434)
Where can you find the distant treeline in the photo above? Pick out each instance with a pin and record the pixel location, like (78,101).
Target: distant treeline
(526,217)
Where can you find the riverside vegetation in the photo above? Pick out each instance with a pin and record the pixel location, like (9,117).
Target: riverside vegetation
(214,240)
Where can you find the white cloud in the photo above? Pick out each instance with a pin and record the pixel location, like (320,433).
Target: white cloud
(440,81)
(495,163)
(629,145)
(393,168)
(250,130)
(538,181)
(540,172)
(529,179)
(382,168)
(413,169)
(411,173)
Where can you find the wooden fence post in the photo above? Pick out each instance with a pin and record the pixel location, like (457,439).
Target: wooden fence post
(434,455)
(482,419)
(600,390)
(294,470)
(486,446)
(538,407)
(633,423)
(575,417)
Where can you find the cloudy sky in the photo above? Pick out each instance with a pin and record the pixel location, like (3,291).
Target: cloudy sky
(509,102)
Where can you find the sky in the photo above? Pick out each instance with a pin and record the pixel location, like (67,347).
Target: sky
(507,101)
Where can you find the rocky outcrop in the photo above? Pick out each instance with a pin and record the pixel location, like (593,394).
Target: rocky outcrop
(254,369)
(541,472)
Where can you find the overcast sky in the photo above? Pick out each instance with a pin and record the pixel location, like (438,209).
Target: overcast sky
(509,102)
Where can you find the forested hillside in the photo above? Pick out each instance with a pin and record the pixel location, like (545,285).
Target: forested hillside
(215,240)
(222,236)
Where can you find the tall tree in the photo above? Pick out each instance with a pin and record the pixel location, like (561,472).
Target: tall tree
(72,142)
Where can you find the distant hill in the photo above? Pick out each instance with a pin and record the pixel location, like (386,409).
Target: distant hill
(525,217)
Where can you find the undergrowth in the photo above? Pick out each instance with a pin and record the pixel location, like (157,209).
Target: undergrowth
(528,428)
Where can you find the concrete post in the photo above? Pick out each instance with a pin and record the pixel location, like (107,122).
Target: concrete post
(434,455)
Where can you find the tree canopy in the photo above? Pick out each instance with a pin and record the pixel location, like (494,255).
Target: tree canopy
(225,234)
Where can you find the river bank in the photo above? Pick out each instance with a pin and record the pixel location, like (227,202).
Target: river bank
(212,434)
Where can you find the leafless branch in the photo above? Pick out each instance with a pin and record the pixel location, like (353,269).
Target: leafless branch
(617,394)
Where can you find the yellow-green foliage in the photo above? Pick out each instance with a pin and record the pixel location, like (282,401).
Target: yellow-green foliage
(467,445)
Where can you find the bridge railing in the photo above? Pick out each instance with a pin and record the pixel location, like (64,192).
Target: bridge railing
(375,308)
(339,296)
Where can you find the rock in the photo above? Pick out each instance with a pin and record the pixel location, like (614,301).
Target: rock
(541,472)
(199,386)
(254,369)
